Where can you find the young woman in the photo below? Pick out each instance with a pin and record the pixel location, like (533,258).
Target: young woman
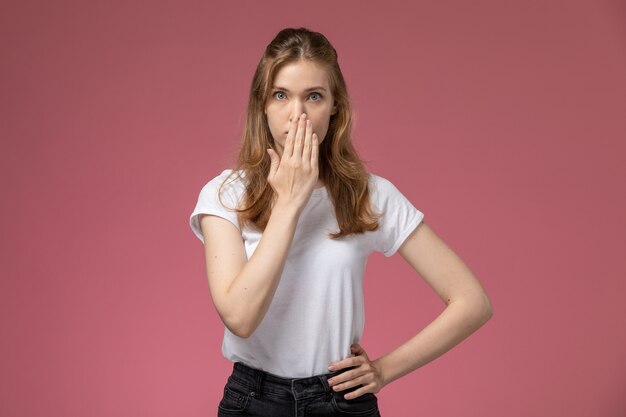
(287,233)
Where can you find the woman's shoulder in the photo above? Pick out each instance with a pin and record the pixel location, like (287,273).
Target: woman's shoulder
(380,184)
(228,177)
(227,183)
(219,196)
(383,191)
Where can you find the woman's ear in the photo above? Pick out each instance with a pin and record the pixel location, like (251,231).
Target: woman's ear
(332,113)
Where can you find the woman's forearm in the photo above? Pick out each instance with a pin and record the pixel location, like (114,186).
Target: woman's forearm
(459,320)
(252,290)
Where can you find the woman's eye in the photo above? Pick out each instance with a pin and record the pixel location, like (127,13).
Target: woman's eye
(281,96)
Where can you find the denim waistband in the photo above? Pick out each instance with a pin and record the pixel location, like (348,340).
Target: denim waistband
(262,382)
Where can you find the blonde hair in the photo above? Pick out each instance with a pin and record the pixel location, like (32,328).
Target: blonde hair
(340,167)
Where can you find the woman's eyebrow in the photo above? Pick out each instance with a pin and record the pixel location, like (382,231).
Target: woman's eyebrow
(308,89)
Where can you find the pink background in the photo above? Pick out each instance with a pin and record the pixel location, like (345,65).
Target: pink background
(503,121)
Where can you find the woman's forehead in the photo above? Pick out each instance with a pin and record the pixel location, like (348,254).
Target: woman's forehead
(301,76)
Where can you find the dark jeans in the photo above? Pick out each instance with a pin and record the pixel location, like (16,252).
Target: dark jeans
(252,392)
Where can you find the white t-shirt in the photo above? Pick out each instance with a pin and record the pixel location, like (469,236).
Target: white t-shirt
(317,311)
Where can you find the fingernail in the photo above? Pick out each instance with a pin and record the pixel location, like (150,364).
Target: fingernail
(303,116)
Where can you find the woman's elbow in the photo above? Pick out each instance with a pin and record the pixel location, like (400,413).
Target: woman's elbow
(239,328)
(488,313)
(243,333)
(477,307)
(483,308)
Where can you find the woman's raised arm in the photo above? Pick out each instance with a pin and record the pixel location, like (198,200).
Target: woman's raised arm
(242,290)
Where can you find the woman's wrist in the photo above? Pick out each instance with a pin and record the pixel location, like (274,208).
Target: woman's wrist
(379,365)
(286,209)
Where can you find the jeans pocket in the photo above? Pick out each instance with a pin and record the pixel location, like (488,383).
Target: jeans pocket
(364,405)
(235,400)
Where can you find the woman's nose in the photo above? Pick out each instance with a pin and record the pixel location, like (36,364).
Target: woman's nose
(296,111)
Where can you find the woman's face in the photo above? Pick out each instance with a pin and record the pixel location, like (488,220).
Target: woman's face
(299,87)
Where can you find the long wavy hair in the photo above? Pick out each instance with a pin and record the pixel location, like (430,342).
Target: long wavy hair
(340,167)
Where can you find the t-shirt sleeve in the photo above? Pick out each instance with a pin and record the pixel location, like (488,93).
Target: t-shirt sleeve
(399,217)
(209,202)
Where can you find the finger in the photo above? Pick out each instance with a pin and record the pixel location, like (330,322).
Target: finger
(306,151)
(346,363)
(351,383)
(297,146)
(293,125)
(358,350)
(274,160)
(357,392)
(314,151)
(344,378)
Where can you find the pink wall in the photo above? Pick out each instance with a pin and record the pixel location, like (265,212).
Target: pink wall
(504,122)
